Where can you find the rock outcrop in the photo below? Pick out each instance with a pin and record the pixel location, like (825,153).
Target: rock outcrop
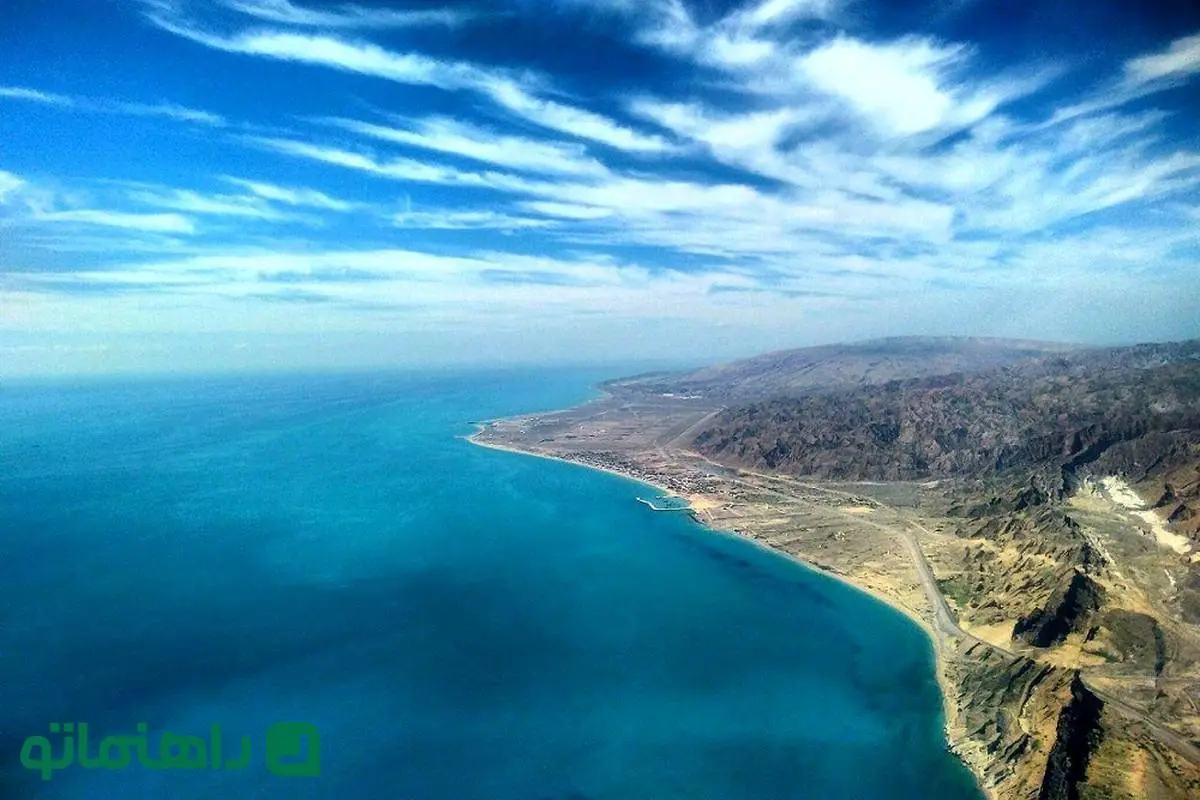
(1079,735)
(1069,610)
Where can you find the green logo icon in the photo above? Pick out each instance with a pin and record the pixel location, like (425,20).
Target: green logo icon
(294,750)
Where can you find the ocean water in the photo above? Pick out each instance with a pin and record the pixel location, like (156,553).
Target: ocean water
(458,623)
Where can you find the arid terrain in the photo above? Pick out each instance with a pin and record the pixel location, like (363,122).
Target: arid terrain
(1034,507)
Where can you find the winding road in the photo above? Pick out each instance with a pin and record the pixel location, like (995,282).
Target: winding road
(945,623)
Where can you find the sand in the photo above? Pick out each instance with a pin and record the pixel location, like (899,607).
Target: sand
(1120,493)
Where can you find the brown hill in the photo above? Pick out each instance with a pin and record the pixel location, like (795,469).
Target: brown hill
(1137,408)
(1131,411)
(843,366)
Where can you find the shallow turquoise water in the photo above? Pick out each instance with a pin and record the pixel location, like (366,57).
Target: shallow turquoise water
(459,623)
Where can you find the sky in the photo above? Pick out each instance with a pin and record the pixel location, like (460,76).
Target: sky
(200,185)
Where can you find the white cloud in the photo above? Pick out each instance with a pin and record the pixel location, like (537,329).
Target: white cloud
(899,87)
(180,113)
(292,196)
(346,16)
(567,210)
(779,12)
(149,223)
(1180,60)
(784,157)
(732,220)
(454,138)
(753,37)
(912,86)
(365,59)
(1022,179)
(415,69)
(9,184)
(33,95)
(213,205)
(748,140)
(402,169)
(106,106)
(571,120)
(466,220)
(1141,76)
(249,267)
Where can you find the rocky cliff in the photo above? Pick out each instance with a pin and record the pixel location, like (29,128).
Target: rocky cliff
(1078,736)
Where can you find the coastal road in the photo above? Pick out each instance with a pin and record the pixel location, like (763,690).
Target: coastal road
(945,623)
(948,625)
(944,619)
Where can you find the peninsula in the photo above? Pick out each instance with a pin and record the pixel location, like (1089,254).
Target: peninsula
(1035,507)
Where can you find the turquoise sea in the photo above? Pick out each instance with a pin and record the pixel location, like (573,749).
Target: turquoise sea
(458,623)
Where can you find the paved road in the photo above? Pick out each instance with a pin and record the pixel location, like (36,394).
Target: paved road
(946,624)
(1180,744)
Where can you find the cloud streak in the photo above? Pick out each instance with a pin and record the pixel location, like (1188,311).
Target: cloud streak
(292,196)
(780,159)
(346,16)
(35,96)
(442,135)
(506,90)
(106,106)
(148,223)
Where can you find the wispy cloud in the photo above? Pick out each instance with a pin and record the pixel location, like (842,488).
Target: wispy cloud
(485,285)
(9,184)
(1180,60)
(911,85)
(181,113)
(571,119)
(506,90)
(329,51)
(346,16)
(1140,77)
(402,169)
(447,136)
(107,106)
(252,207)
(773,13)
(747,167)
(729,219)
(310,198)
(749,37)
(572,211)
(450,220)
(35,96)
(152,223)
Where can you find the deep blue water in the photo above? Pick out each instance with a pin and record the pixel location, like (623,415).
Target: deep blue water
(459,623)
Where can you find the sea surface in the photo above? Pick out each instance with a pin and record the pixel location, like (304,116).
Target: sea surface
(457,623)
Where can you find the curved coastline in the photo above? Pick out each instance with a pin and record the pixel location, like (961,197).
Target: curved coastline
(948,710)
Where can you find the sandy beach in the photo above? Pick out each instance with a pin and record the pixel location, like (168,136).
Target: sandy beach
(699,505)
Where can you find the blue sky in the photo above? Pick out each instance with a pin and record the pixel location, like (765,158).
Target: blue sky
(212,184)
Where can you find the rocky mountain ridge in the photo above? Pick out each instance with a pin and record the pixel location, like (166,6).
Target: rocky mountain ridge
(833,367)
(1130,410)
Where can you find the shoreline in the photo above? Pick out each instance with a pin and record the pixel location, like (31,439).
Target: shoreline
(912,615)
(949,711)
